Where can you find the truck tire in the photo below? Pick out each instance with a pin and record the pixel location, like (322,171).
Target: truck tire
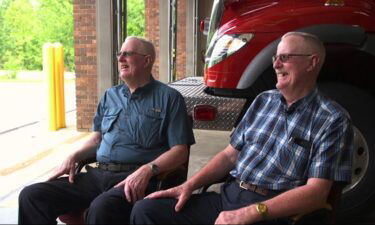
(358,197)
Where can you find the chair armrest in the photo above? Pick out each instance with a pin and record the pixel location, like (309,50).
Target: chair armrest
(84,162)
(318,216)
(175,177)
(172,178)
(222,180)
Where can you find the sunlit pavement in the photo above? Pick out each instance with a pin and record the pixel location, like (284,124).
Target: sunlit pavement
(29,151)
(24,103)
(29,155)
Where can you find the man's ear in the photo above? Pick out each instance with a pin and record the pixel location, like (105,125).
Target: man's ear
(313,63)
(148,61)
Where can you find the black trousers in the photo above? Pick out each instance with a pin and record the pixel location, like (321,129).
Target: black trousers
(199,209)
(42,203)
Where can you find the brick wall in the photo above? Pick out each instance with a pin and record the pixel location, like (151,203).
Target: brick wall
(152,33)
(152,30)
(85,61)
(181,39)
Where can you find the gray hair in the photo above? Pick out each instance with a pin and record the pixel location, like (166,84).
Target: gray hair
(313,42)
(146,45)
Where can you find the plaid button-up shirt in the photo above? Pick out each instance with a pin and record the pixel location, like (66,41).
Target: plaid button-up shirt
(281,147)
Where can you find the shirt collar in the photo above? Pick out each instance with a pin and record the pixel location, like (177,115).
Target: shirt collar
(301,103)
(139,92)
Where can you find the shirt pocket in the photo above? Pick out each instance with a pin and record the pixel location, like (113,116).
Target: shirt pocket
(295,159)
(149,130)
(109,118)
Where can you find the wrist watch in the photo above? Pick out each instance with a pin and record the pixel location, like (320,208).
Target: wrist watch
(262,209)
(154,169)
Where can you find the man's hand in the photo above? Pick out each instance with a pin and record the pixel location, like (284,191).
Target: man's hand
(67,167)
(136,183)
(239,216)
(182,193)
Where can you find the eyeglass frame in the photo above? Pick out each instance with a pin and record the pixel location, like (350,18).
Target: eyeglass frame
(288,56)
(128,54)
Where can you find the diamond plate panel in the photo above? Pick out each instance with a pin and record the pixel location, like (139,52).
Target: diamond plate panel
(228,109)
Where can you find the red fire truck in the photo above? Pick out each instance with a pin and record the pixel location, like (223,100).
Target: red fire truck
(243,36)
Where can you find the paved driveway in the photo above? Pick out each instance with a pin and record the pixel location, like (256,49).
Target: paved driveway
(25,103)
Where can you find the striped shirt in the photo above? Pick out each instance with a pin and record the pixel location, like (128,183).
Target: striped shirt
(281,147)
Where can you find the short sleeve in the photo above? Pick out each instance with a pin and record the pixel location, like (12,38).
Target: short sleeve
(332,152)
(179,129)
(97,120)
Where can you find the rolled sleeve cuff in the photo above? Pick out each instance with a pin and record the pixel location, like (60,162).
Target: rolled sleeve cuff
(344,175)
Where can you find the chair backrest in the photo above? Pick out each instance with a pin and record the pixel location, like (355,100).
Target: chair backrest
(334,199)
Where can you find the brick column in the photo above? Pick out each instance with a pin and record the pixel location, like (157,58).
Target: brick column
(84,13)
(181,39)
(152,30)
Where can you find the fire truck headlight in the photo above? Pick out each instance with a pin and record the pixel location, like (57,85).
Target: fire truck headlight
(225,46)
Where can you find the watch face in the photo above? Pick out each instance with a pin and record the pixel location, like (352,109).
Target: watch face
(154,168)
(262,208)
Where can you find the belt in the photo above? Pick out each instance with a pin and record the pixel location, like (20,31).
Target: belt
(117,167)
(252,187)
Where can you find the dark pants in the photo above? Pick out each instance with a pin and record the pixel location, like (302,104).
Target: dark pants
(42,203)
(199,209)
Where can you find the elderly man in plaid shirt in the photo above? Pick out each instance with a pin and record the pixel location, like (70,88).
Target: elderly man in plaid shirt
(283,157)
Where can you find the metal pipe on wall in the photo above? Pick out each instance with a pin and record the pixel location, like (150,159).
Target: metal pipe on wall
(120,33)
(172,40)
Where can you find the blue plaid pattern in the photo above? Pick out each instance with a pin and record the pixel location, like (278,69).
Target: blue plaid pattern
(281,147)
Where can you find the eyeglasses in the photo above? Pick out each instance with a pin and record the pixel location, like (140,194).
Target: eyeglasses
(127,54)
(285,57)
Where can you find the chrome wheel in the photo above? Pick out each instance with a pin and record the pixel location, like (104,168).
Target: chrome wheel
(360,160)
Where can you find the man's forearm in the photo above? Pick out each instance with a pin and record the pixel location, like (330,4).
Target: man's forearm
(88,149)
(172,159)
(302,199)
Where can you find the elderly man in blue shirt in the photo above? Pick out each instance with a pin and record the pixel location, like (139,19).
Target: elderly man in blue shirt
(284,155)
(140,129)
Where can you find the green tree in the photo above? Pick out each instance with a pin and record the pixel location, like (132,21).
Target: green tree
(135,17)
(27,25)
(4,4)
(56,17)
(20,45)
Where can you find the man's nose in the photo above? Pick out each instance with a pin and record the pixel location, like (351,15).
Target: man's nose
(277,63)
(121,58)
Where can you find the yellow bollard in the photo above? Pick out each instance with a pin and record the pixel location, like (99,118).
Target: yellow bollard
(49,70)
(59,82)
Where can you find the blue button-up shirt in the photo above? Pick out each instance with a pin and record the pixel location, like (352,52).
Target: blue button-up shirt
(281,147)
(136,128)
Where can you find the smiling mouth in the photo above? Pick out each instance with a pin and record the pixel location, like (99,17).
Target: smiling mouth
(282,74)
(124,67)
